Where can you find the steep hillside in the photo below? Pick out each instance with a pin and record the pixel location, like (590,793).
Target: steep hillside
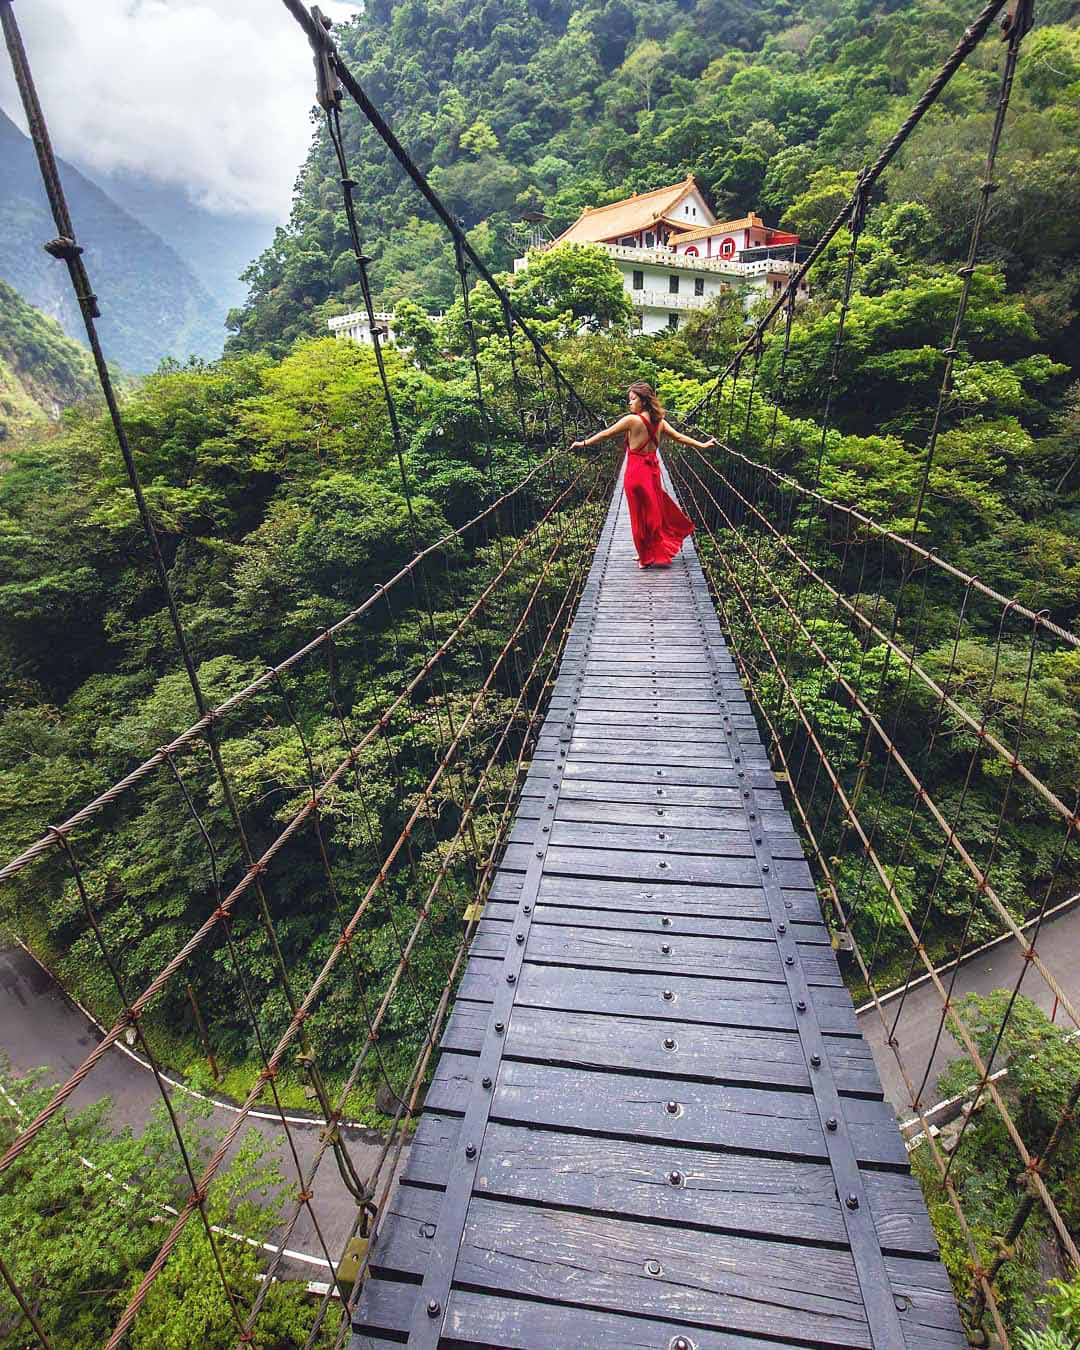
(42,371)
(152,304)
(509,104)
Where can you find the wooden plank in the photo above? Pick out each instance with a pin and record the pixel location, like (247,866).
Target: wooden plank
(595,707)
(717,1000)
(707,718)
(630,949)
(654,920)
(717,1280)
(663,815)
(655,839)
(730,1192)
(711,1115)
(653,897)
(484,1320)
(633,749)
(662,837)
(627,1044)
(702,693)
(577,790)
(685,775)
(626,865)
(650,725)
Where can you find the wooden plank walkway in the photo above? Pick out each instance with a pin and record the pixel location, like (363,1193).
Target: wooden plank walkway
(654,1122)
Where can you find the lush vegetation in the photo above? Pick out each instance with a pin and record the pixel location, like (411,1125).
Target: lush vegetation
(85,1213)
(274,484)
(42,371)
(1043,1065)
(511,105)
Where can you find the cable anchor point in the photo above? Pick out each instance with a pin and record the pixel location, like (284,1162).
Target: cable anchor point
(327,84)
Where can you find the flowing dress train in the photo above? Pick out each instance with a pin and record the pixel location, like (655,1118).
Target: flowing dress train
(657,524)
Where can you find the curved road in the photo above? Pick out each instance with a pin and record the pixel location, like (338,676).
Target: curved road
(996,968)
(41,1028)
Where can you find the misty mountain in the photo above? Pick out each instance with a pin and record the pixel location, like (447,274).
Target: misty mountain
(152,303)
(217,248)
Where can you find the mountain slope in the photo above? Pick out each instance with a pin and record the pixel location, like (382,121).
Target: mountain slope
(152,304)
(216,248)
(524,104)
(42,371)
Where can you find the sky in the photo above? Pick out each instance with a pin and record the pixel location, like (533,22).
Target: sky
(214,94)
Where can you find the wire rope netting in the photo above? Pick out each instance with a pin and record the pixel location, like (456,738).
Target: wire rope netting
(924,720)
(328,835)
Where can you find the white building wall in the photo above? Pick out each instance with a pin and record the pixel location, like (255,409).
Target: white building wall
(357,329)
(693,211)
(656,302)
(712,245)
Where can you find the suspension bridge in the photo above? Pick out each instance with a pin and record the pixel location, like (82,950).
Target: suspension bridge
(635,1107)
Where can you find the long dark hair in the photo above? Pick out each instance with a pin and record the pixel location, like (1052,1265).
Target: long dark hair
(647,394)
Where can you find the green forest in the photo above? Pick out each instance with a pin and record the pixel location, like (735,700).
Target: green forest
(274,482)
(42,370)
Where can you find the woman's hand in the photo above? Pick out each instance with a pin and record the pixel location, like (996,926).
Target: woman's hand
(706,445)
(577,445)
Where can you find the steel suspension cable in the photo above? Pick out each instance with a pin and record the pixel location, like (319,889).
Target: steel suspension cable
(971,38)
(334,74)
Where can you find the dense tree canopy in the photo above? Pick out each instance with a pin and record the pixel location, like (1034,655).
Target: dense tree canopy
(274,479)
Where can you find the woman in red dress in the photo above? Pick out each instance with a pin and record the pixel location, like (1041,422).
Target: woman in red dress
(656,522)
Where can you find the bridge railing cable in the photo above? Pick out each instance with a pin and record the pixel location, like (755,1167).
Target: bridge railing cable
(335,826)
(424,890)
(914,793)
(920,716)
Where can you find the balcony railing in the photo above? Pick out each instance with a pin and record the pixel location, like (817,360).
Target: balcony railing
(666,257)
(665,300)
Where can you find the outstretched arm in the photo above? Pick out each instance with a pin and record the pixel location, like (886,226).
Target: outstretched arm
(668,430)
(614,430)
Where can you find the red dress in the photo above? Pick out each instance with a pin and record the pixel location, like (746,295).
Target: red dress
(656,522)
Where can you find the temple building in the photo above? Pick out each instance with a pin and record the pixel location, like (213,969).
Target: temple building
(674,255)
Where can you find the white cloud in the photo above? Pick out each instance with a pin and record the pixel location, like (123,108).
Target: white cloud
(211,94)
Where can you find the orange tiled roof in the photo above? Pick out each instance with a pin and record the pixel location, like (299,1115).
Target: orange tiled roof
(752,221)
(629,216)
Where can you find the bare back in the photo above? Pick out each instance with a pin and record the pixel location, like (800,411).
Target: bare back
(642,434)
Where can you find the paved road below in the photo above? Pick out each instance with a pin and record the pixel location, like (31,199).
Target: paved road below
(998,968)
(40,1028)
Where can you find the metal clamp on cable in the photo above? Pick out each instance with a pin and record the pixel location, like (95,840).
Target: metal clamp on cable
(327,84)
(1017,19)
(67,250)
(858,205)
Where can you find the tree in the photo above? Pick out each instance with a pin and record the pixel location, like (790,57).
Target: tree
(1043,1065)
(713,332)
(479,140)
(826,192)
(80,1221)
(417,333)
(577,278)
(322,405)
(641,68)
